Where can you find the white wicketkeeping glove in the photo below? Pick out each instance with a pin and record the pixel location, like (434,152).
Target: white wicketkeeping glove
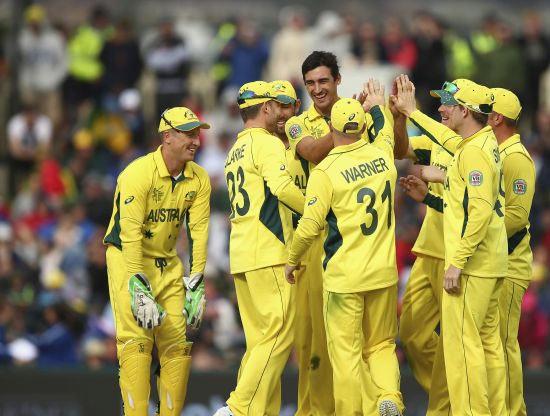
(147,312)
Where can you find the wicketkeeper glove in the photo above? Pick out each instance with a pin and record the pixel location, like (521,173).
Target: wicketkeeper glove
(195,300)
(147,312)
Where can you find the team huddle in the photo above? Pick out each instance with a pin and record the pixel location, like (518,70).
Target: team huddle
(312,250)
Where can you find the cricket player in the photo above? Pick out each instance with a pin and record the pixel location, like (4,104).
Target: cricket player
(420,314)
(475,255)
(260,191)
(352,190)
(152,301)
(519,187)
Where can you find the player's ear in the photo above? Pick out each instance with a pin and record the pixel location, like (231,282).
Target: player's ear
(297,106)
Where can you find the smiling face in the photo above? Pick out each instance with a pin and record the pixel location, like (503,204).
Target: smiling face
(182,145)
(287,111)
(451,116)
(322,88)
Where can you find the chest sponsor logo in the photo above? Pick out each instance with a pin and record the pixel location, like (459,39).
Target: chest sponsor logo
(189,196)
(157,194)
(295,131)
(166,215)
(520,187)
(475,178)
(128,200)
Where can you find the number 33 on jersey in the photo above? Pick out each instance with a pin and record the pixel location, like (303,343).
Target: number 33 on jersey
(257,181)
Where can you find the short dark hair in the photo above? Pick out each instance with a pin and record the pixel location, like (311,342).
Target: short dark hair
(250,112)
(481,118)
(321,58)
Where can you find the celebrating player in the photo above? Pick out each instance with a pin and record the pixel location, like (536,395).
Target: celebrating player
(152,301)
(519,187)
(257,179)
(354,177)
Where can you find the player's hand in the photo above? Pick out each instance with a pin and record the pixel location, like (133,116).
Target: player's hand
(195,299)
(403,99)
(414,187)
(374,94)
(432,174)
(289,273)
(360,97)
(147,312)
(451,282)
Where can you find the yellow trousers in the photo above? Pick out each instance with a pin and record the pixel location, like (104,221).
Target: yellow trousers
(267,309)
(134,344)
(315,391)
(474,358)
(362,327)
(420,316)
(510,300)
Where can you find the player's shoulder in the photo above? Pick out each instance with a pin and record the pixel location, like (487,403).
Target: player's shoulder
(328,163)
(198,170)
(142,167)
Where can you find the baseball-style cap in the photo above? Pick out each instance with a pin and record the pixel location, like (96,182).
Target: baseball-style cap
(506,103)
(464,92)
(253,93)
(347,116)
(283,91)
(180,118)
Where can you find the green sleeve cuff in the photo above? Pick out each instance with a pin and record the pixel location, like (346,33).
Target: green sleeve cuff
(434,201)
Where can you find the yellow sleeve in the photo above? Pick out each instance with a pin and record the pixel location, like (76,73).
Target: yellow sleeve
(198,216)
(380,131)
(318,197)
(476,170)
(270,159)
(422,148)
(519,179)
(133,190)
(296,130)
(435,131)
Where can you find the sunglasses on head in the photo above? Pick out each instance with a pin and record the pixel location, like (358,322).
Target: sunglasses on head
(169,123)
(248,95)
(450,87)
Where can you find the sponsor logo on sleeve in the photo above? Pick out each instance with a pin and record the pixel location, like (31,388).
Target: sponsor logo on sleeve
(520,187)
(475,178)
(312,201)
(128,200)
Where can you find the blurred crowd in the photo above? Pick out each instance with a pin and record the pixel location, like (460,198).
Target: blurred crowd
(88,101)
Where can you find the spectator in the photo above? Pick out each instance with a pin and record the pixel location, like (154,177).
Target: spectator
(122,64)
(535,48)
(43,64)
(247,54)
(397,47)
(170,59)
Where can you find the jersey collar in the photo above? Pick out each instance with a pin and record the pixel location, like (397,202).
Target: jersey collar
(188,171)
(484,130)
(313,114)
(349,147)
(513,139)
(250,130)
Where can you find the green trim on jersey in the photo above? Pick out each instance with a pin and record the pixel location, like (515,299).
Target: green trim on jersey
(270,216)
(113,237)
(377,122)
(465,202)
(305,165)
(190,240)
(423,156)
(430,136)
(334,238)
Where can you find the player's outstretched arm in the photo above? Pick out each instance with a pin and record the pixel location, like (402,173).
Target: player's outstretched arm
(302,142)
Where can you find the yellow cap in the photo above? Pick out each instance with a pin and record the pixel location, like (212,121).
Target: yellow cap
(506,103)
(35,14)
(347,116)
(180,118)
(283,91)
(253,93)
(462,91)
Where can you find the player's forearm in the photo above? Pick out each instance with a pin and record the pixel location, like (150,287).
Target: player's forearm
(197,236)
(515,218)
(291,196)
(434,201)
(315,150)
(473,232)
(401,147)
(304,236)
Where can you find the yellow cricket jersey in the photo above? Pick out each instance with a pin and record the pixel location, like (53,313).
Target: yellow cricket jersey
(150,207)
(257,179)
(352,190)
(519,179)
(313,124)
(436,147)
(474,231)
